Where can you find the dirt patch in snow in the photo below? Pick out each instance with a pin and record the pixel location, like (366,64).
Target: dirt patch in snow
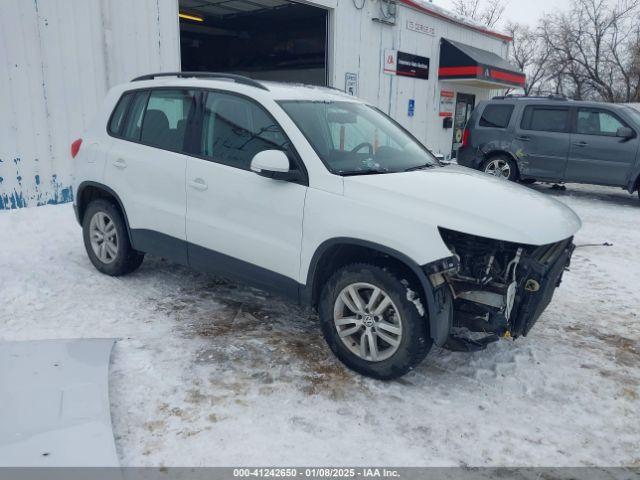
(260,341)
(626,350)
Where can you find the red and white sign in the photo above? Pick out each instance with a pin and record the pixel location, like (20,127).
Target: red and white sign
(390,62)
(447,103)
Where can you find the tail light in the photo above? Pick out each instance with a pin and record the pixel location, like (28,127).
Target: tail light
(465,137)
(75,147)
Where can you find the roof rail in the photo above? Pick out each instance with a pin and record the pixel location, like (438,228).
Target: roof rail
(553,96)
(213,75)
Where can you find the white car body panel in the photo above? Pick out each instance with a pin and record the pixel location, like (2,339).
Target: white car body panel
(329,216)
(54,404)
(245,216)
(461,199)
(150,182)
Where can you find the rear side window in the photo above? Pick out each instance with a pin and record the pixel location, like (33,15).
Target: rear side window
(117,118)
(496,116)
(235,129)
(133,124)
(165,120)
(545,119)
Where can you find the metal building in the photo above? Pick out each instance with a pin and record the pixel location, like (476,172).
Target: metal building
(421,64)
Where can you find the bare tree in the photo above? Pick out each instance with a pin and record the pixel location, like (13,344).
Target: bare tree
(597,48)
(531,53)
(487,12)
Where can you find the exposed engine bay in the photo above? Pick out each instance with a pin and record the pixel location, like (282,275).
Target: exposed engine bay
(499,288)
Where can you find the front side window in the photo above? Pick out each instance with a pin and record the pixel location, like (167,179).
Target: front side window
(235,129)
(545,119)
(355,139)
(165,120)
(496,116)
(597,122)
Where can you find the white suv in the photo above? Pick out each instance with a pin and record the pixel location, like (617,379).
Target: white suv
(310,193)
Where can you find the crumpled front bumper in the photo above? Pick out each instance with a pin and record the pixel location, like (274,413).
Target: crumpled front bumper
(538,279)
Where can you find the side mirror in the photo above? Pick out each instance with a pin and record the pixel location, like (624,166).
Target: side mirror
(626,133)
(272,164)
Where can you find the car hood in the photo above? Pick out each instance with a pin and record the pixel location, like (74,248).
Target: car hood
(461,199)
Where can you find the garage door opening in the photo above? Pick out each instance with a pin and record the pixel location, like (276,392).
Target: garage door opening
(263,39)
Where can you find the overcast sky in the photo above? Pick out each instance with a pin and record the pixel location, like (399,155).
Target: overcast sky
(522,11)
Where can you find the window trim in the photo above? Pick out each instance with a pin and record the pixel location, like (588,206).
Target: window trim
(566,108)
(511,116)
(195,124)
(598,109)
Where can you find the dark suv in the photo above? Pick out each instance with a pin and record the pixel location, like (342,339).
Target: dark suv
(555,140)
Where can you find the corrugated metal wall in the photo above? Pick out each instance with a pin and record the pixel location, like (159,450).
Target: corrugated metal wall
(58,58)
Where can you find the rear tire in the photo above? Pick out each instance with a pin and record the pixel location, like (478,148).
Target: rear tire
(502,167)
(386,337)
(106,240)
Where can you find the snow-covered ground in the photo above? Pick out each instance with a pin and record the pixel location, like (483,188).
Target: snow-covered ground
(208,372)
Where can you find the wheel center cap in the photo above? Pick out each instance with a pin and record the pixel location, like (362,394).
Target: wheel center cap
(368,321)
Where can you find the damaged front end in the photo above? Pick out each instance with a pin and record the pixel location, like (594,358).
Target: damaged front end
(499,289)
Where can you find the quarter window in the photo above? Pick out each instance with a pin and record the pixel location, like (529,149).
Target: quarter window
(165,120)
(117,118)
(545,119)
(496,116)
(236,129)
(133,125)
(597,122)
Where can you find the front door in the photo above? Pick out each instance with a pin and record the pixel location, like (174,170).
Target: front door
(465,103)
(598,155)
(239,223)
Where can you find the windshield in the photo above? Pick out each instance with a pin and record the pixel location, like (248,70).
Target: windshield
(356,139)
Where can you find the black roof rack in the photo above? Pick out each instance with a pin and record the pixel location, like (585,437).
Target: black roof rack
(225,76)
(535,97)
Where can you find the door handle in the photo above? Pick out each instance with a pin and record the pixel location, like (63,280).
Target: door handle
(120,163)
(198,184)
(580,144)
(524,138)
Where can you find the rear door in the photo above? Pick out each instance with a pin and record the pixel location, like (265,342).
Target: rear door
(146,168)
(542,140)
(598,155)
(240,223)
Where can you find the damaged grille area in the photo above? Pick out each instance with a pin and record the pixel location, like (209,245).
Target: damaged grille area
(500,288)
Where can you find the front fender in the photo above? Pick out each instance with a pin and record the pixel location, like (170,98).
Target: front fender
(439,300)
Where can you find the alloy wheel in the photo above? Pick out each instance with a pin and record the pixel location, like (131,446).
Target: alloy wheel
(368,322)
(104,237)
(498,167)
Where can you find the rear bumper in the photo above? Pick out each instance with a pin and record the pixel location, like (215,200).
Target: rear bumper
(470,157)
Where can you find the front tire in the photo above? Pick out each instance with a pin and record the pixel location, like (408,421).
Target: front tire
(502,167)
(370,324)
(106,240)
